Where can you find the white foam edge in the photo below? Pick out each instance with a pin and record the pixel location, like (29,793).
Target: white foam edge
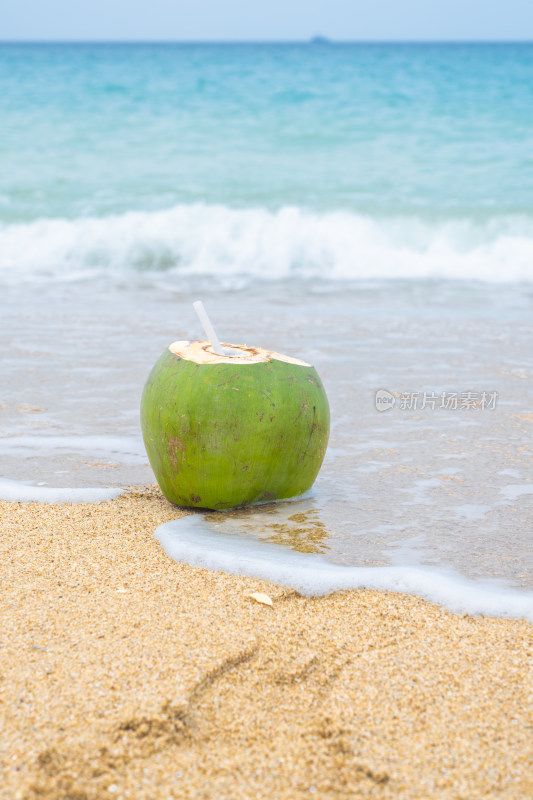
(18,492)
(230,243)
(187,540)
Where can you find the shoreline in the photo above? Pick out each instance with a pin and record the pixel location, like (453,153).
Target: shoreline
(127,674)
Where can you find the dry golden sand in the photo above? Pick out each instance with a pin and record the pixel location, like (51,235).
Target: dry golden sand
(124,674)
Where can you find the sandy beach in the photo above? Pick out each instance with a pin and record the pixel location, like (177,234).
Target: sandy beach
(125,674)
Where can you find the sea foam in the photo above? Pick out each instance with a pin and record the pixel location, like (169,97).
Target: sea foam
(17,492)
(222,242)
(189,540)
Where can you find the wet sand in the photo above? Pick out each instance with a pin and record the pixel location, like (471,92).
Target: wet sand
(433,486)
(125,674)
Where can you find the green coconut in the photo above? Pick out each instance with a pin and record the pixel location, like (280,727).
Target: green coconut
(231,430)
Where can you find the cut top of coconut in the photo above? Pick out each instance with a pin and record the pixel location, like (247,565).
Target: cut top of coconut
(201,353)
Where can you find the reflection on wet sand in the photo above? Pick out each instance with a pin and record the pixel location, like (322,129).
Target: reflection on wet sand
(296,525)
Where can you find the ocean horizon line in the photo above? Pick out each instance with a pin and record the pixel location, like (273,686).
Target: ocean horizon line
(315,41)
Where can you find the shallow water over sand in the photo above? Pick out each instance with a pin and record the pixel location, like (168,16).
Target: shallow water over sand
(419,484)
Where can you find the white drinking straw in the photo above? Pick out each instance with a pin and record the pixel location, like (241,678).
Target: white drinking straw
(208,328)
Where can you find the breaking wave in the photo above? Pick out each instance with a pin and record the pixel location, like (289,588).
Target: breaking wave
(255,243)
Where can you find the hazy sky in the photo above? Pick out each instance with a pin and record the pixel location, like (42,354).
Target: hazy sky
(203,20)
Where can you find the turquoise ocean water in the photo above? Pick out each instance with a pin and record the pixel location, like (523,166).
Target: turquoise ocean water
(368,208)
(343,161)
